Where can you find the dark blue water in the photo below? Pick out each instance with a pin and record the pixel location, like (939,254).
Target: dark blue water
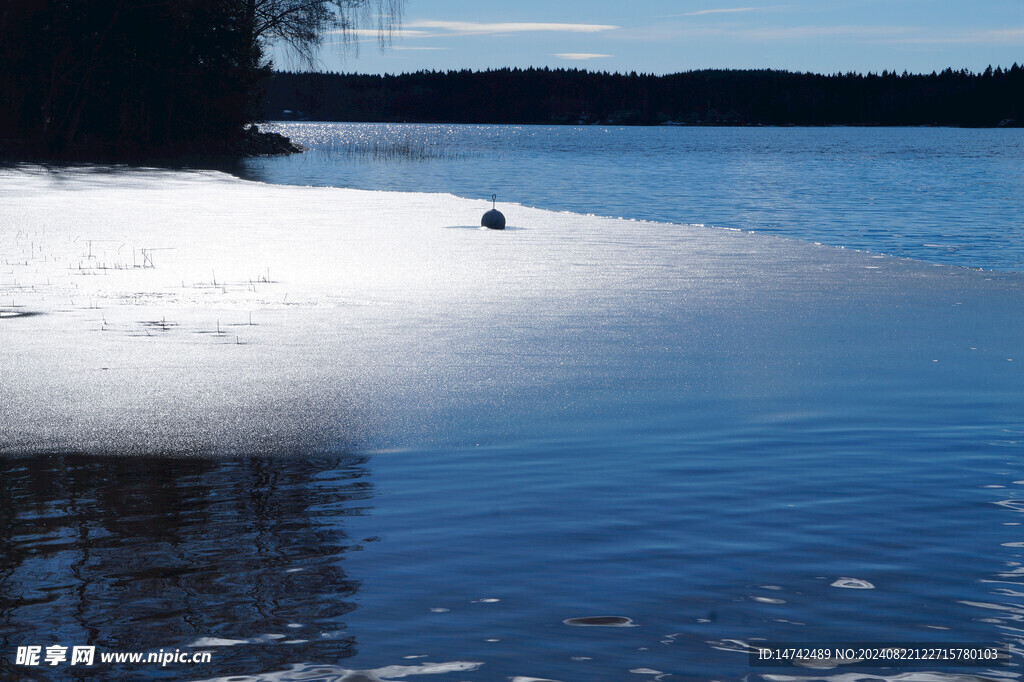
(756,441)
(941,195)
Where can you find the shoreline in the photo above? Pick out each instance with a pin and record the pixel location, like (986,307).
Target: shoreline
(575,124)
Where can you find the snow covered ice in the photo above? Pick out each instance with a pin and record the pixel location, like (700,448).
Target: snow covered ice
(168,311)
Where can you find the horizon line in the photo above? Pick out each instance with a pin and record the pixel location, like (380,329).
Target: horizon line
(907,72)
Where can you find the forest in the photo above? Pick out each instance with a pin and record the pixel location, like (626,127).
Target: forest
(991,98)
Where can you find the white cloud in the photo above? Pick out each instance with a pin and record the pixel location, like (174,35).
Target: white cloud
(479,28)
(718,11)
(890,34)
(373,33)
(800,32)
(1006,36)
(727,10)
(769,33)
(581,55)
(877,34)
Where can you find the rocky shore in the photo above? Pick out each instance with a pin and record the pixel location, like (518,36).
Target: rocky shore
(254,142)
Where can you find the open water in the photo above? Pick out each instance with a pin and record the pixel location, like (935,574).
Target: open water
(940,195)
(833,453)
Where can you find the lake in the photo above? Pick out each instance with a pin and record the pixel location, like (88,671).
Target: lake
(601,450)
(941,195)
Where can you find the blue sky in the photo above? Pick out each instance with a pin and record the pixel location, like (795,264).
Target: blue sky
(662,36)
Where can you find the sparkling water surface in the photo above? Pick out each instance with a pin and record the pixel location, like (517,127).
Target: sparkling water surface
(941,195)
(791,444)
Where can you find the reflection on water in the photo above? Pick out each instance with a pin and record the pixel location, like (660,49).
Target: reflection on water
(395,143)
(332,673)
(491,558)
(244,558)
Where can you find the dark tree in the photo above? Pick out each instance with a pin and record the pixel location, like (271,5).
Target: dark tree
(301,23)
(142,77)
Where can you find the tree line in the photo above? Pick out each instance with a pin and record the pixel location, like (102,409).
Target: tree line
(121,77)
(706,97)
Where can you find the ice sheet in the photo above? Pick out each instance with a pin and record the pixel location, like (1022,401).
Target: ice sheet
(186,312)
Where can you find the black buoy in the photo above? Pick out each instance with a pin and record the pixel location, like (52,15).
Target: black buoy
(493,219)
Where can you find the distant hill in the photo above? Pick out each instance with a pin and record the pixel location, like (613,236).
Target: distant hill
(709,97)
